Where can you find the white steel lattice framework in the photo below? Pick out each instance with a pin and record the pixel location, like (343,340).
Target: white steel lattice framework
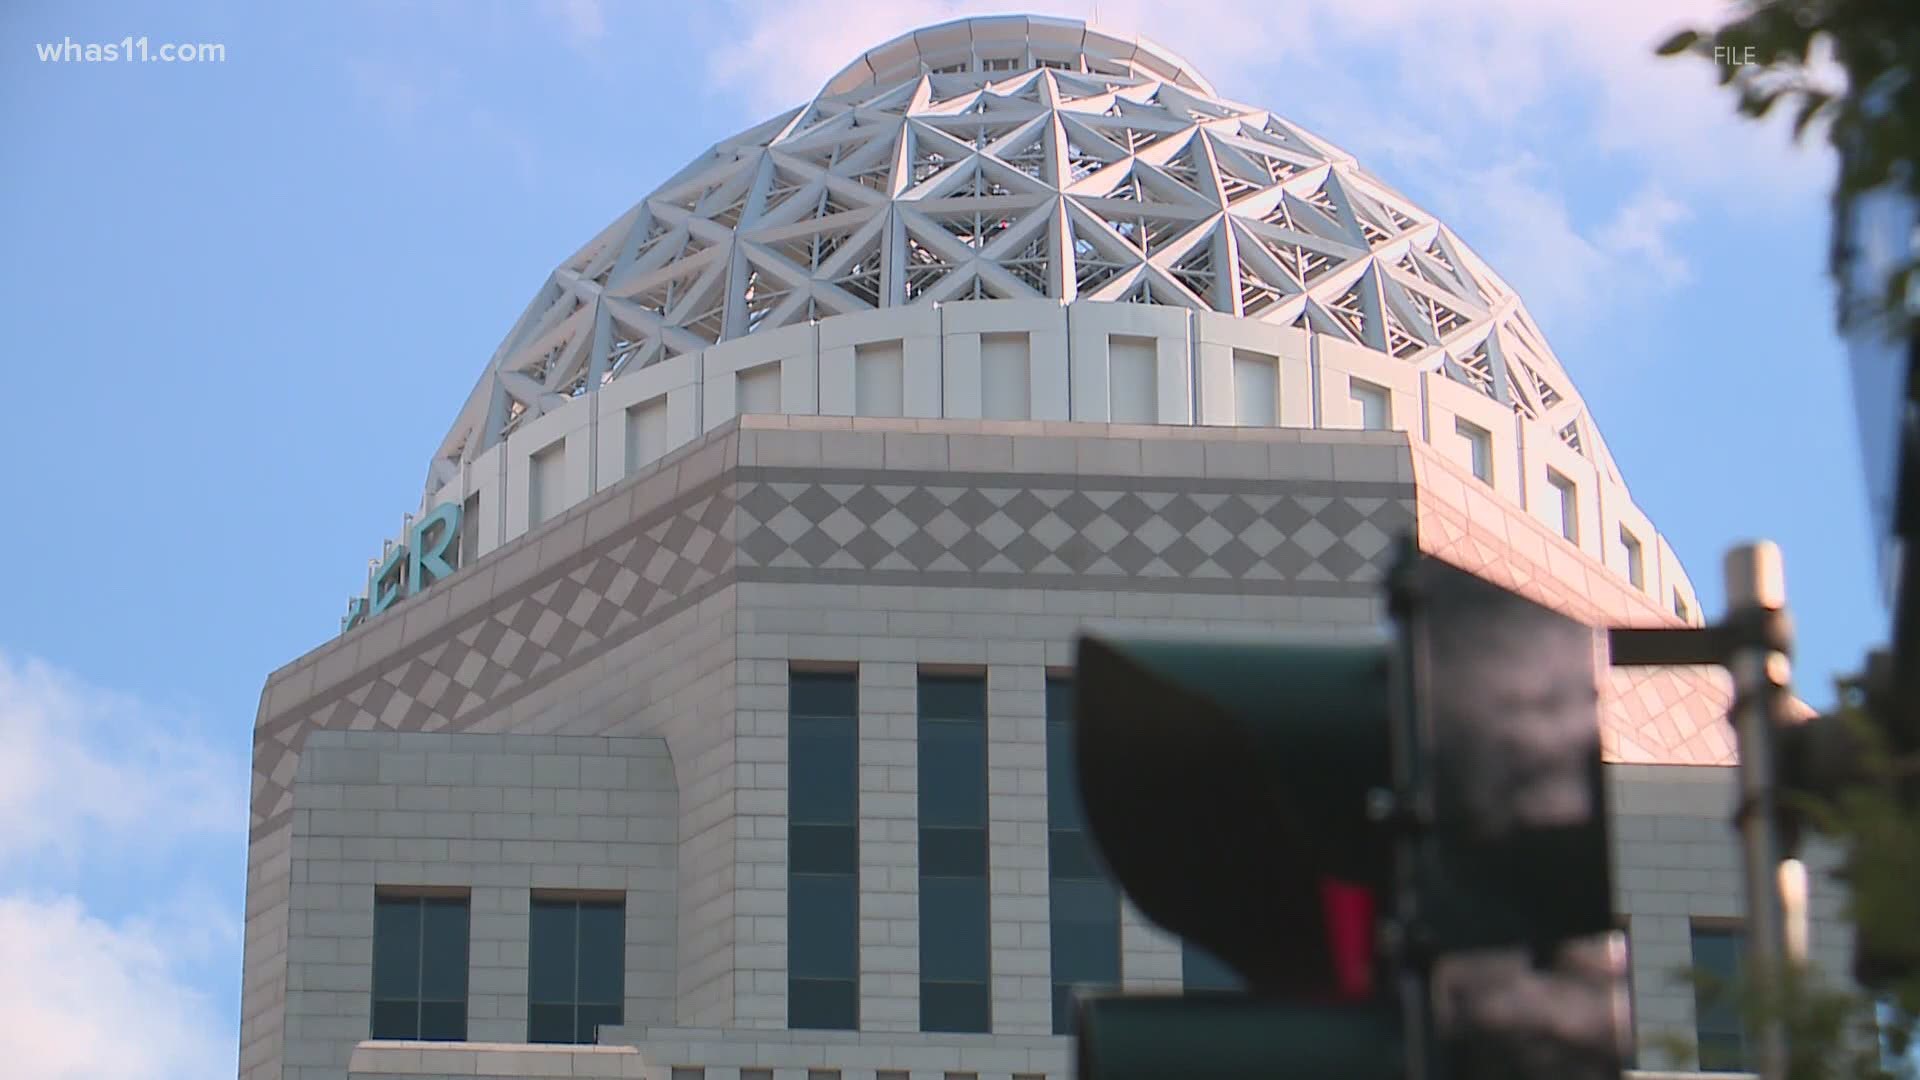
(1105,174)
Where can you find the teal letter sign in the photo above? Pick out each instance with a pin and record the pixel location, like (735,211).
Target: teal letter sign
(431,553)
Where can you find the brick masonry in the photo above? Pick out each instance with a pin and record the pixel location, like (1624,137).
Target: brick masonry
(499,815)
(668,608)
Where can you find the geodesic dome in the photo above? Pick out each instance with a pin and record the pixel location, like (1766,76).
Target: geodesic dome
(1017,158)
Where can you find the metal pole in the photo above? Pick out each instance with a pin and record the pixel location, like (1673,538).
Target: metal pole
(1408,807)
(1756,588)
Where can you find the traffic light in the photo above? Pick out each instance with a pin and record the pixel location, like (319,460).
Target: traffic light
(1797,770)
(1399,845)
(1832,760)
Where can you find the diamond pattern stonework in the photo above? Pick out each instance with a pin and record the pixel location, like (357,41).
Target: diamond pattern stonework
(1103,534)
(456,677)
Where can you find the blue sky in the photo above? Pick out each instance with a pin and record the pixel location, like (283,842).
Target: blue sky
(243,301)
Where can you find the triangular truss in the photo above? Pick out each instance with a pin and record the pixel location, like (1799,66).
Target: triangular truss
(1039,183)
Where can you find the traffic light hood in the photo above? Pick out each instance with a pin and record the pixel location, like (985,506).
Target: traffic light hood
(1223,782)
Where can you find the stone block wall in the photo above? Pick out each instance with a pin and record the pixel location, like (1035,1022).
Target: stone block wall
(496,818)
(670,608)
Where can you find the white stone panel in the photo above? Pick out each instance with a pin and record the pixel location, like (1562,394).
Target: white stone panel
(1546,456)
(1093,330)
(1007,377)
(1256,389)
(1621,516)
(672,381)
(1341,363)
(1133,390)
(879,387)
(1448,405)
(790,350)
(569,432)
(1218,337)
(484,480)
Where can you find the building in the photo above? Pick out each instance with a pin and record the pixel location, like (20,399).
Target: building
(773,520)
(1876,232)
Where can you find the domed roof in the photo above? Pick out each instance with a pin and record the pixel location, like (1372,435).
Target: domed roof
(1017,158)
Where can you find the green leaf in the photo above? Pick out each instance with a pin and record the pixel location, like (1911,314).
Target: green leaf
(1810,106)
(1678,43)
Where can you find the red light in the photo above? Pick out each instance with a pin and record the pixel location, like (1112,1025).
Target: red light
(1349,913)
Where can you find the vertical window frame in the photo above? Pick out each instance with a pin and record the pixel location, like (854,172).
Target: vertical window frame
(578,902)
(419,900)
(804,988)
(980,991)
(1479,448)
(1369,395)
(1636,554)
(1731,932)
(1568,493)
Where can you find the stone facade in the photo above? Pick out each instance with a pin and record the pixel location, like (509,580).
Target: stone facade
(601,705)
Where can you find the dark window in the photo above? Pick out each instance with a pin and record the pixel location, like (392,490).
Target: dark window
(1084,905)
(1716,1004)
(823,881)
(576,964)
(1201,970)
(953,854)
(420,968)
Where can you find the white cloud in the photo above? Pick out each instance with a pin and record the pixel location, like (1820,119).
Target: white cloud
(1525,230)
(87,772)
(108,803)
(1470,93)
(1484,61)
(1640,232)
(84,999)
(785,51)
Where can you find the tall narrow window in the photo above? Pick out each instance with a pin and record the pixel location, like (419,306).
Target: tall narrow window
(1567,497)
(576,968)
(879,379)
(1479,448)
(1006,374)
(420,968)
(1680,607)
(954,958)
(1084,905)
(646,433)
(1636,558)
(757,390)
(1716,1008)
(823,886)
(1256,390)
(1376,405)
(546,483)
(1133,384)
